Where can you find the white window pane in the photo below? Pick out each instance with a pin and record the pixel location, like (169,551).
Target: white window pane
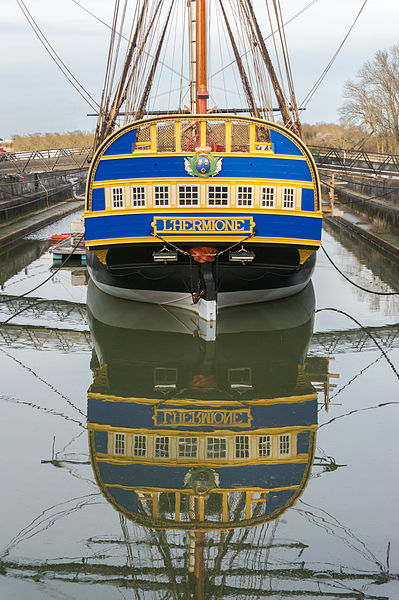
(216,448)
(242,446)
(162,447)
(187,447)
(120,443)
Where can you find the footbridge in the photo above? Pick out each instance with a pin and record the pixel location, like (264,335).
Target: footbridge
(59,159)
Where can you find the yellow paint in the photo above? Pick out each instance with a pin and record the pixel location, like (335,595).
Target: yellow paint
(228,137)
(252,136)
(189,492)
(178,136)
(101,254)
(114,241)
(203,133)
(177,506)
(198,418)
(195,401)
(165,225)
(304,254)
(174,433)
(153,137)
(227,118)
(225,507)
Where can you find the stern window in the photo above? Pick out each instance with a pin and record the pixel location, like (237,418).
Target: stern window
(120,444)
(242,446)
(218,195)
(187,447)
(139,445)
(188,195)
(268,197)
(265,446)
(284,445)
(288,197)
(245,195)
(215,447)
(162,447)
(118,200)
(161,195)
(138,195)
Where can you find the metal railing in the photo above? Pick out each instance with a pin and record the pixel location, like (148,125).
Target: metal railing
(374,163)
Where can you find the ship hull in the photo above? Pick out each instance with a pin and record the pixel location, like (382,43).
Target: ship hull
(219,285)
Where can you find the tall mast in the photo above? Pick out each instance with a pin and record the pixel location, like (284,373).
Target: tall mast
(201,57)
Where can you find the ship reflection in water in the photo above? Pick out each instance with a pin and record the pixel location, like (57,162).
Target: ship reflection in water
(194,436)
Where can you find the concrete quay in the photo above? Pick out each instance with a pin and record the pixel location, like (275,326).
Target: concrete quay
(15,229)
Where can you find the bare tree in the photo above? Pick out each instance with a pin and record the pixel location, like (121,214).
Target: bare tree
(373,99)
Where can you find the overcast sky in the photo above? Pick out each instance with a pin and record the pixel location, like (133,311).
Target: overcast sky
(35,96)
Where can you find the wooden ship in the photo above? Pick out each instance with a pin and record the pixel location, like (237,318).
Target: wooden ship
(200,206)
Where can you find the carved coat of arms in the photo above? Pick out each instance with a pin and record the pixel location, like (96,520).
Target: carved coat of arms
(203,164)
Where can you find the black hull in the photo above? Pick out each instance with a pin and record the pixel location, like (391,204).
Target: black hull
(229,283)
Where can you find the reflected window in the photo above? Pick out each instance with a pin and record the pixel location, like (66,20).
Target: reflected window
(140,445)
(265,446)
(242,446)
(162,445)
(187,447)
(118,199)
(240,378)
(284,445)
(120,444)
(288,197)
(165,378)
(216,447)
(268,197)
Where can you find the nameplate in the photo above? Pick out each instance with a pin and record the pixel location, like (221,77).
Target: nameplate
(164,417)
(203,225)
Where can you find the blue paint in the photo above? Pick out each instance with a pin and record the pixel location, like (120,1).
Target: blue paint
(303,442)
(132,415)
(283,145)
(279,499)
(308,200)
(172,477)
(98,199)
(101,441)
(173,166)
(139,225)
(124,144)
(126,498)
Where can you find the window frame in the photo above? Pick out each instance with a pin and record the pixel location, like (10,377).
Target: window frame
(208,187)
(288,189)
(247,449)
(284,454)
(183,185)
(184,439)
(113,189)
(262,201)
(162,437)
(154,192)
(132,188)
(219,439)
(116,443)
(248,187)
(269,443)
(144,437)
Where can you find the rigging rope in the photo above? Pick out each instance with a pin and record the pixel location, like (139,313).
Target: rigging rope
(313,90)
(356,284)
(56,58)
